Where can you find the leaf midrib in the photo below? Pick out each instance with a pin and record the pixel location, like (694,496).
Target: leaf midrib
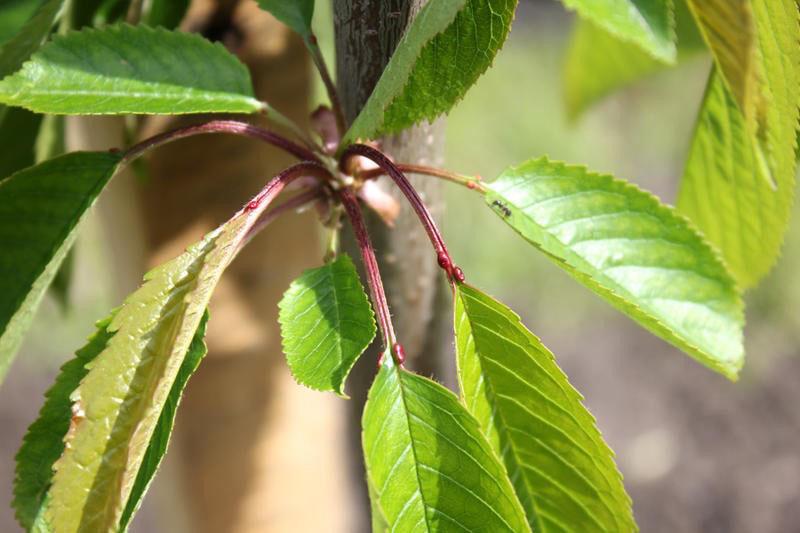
(512,446)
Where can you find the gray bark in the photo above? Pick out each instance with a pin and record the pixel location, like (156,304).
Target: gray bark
(367,32)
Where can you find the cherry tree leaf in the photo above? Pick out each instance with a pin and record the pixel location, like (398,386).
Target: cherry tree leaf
(636,253)
(166,13)
(18,131)
(30,36)
(40,210)
(159,442)
(444,51)
(430,467)
(113,71)
(99,13)
(738,185)
(297,14)
(645,23)
(326,324)
(378,521)
(13,15)
(118,404)
(562,470)
(44,441)
(599,63)
(728,26)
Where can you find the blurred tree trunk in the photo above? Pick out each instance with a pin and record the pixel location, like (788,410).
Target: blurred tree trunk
(367,32)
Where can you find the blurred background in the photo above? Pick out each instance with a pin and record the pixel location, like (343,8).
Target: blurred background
(698,453)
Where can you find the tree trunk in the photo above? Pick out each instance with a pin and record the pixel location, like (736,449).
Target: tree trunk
(367,32)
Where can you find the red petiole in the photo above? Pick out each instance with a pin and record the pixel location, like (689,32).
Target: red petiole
(222,126)
(473,183)
(311,165)
(454,273)
(374,281)
(300,200)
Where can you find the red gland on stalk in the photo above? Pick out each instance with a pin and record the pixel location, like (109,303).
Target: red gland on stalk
(399,353)
(444,261)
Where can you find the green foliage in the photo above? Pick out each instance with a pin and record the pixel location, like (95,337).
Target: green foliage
(29,37)
(429,465)
(44,441)
(166,13)
(297,14)
(100,12)
(729,29)
(13,16)
(444,51)
(118,405)
(636,253)
(111,71)
(726,188)
(160,439)
(563,472)
(326,324)
(18,131)
(599,63)
(522,453)
(647,23)
(378,521)
(40,209)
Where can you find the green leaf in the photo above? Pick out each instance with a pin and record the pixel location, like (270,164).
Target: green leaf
(563,472)
(636,253)
(112,71)
(598,63)
(18,131)
(98,12)
(297,14)
(166,13)
(13,16)
(378,521)
(444,51)
(727,183)
(728,26)
(118,404)
(29,37)
(326,324)
(160,439)
(429,464)
(646,23)
(40,209)
(44,440)
(49,144)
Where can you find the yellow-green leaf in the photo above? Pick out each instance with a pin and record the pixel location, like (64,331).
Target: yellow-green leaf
(326,324)
(632,250)
(648,24)
(563,472)
(430,467)
(738,187)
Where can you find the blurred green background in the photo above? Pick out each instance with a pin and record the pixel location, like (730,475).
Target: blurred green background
(698,453)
